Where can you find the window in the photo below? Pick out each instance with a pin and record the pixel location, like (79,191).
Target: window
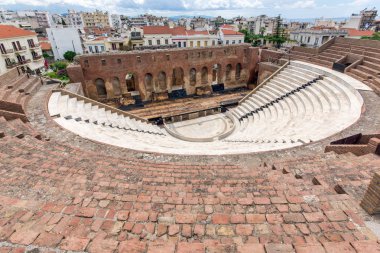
(239,41)
(191,43)
(8,62)
(18,45)
(166,41)
(149,42)
(213,42)
(96,49)
(30,43)
(179,44)
(233,42)
(308,39)
(2,48)
(90,49)
(205,43)
(198,44)
(158,42)
(227,42)
(104,63)
(102,48)
(14,46)
(184,44)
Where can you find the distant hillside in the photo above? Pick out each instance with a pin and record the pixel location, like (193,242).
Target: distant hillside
(312,20)
(187,16)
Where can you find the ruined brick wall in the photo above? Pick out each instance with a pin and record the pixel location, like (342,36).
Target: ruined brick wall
(153,72)
(8,77)
(373,146)
(266,70)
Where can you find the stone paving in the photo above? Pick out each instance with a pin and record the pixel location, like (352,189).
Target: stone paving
(64,193)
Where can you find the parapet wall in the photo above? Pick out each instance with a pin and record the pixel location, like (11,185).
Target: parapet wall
(146,73)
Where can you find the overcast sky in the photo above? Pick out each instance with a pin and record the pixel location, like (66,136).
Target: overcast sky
(225,8)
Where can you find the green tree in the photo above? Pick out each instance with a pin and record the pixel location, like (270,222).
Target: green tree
(69,55)
(375,36)
(278,37)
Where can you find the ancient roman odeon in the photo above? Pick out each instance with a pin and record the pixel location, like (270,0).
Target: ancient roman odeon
(227,148)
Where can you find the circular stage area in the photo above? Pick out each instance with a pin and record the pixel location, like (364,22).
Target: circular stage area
(203,129)
(302,103)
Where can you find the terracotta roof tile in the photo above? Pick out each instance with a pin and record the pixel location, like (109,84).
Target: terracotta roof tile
(354,32)
(9,31)
(230,32)
(45,46)
(156,30)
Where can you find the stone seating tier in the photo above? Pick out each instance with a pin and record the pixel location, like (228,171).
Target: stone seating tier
(290,110)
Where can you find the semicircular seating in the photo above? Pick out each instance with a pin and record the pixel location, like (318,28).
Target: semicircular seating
(303,103)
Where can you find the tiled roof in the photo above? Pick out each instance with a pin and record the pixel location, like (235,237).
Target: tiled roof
(9,31)
(230,32)
(157,30)
(354,32)
(45,46)
(183,31)
(173,31)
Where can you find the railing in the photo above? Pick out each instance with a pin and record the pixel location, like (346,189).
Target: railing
(101,105)
(35,45)
(24,61)
(264,82)
(21,48)
(12,65)
(7,51)
(37,57)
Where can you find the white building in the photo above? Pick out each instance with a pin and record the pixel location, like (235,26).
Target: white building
(191,38)
(115,21)
(157,35)
(63,40)
(228,35)
(261,25)
(316,37)
(74,19)
(19,48)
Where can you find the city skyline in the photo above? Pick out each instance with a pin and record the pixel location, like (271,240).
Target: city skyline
(290,9)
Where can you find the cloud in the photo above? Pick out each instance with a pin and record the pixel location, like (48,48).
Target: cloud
(297,5)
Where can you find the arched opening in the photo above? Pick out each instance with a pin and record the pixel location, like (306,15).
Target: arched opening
(130,82)
(216,74)
(238,71)
(101,87)
(148,82)
(193,76)
(204,76)
(161,81)
(116,86)
(177,80)
(228,72)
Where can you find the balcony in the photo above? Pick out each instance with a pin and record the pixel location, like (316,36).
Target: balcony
(37,57)
(23,48)
(7,51)
(35,45)
(24,62)
(11,65)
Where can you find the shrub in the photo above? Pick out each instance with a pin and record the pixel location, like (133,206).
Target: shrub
(69,55)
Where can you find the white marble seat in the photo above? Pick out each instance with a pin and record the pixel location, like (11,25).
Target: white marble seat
(302,103)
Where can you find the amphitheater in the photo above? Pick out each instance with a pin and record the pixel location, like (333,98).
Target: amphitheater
(207,165)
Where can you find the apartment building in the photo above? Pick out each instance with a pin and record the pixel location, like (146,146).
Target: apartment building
(64,39)
(74,19)
(316,36)
(96,18)
(19,48)
(228,35)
